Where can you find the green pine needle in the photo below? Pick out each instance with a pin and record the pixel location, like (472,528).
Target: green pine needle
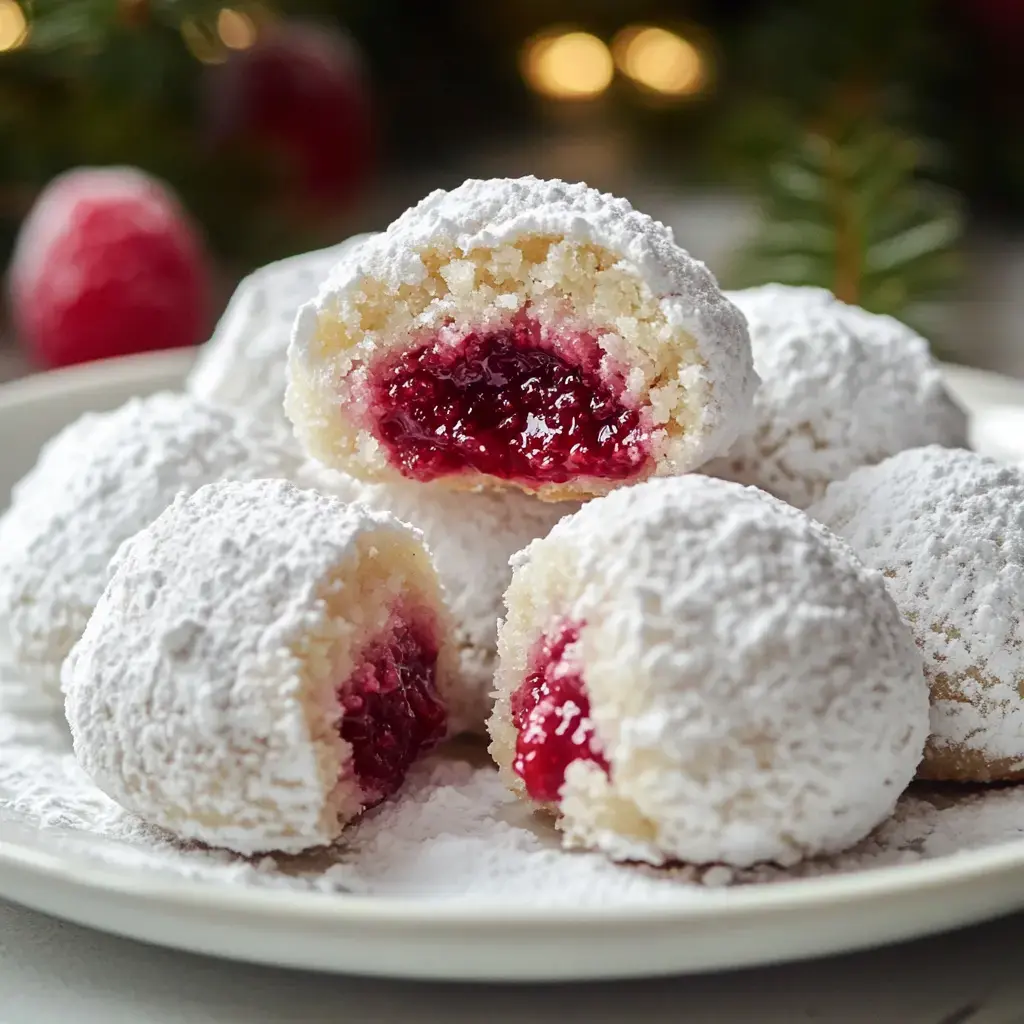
(849,214)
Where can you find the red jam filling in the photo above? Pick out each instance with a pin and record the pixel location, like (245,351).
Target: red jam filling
(551,711)
(391,711)
(507,405)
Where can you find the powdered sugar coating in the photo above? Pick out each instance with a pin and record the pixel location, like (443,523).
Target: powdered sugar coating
(95,484)
(202,695)
(752,685)
(243,364)
(658,314)
(471,538)
(946,528)
(841,388)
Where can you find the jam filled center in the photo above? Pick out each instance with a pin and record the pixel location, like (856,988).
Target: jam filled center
(391,710)
(505,404)
(551,712)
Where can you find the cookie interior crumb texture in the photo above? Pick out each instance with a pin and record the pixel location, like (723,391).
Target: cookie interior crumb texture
(619,344)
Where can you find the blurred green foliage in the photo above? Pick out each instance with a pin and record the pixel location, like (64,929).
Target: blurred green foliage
(112,81)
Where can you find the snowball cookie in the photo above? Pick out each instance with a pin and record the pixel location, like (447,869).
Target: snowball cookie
(96,483)
(471,538)
(946,528)
(691,670)
(841,388)
(523,333)
(242,366)
(265,663)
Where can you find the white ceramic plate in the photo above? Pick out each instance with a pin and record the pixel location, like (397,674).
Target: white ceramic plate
(402,937)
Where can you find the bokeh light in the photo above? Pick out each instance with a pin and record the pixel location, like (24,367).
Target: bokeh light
(660,60)
(13,26)
(568,65)
(236,29)
(203,42)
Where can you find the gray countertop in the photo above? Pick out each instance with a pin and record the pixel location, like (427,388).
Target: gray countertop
(56,973)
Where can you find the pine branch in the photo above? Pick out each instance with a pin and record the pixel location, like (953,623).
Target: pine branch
(848,212)
(86,25)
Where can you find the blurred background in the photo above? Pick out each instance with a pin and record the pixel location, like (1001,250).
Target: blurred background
(874,147)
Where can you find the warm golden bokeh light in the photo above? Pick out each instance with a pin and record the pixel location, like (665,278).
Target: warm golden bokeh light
(569,65)
(203,43)
(660,60)
(236,29)
(13,26)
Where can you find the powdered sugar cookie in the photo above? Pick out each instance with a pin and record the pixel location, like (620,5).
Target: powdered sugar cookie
(471,538)
(265,663)
(522,333)
(242,366)
(692,670)
(841,388)
(96,483)
(946,528)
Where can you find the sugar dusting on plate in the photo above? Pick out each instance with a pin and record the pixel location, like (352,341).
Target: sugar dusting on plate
(454,834)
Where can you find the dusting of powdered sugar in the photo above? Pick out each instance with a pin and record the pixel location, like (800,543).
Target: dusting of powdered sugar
(243,364)
(840,388)
(95,484)
(456,834)
(471,537)
(202,692)
(946,528)
(751,684)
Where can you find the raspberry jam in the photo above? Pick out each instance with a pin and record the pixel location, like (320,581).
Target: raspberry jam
(551,711)
(391,711)
(507,405)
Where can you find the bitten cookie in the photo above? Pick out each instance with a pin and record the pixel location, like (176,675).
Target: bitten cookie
(471,538)
(242,366)
(693,671)
(841,388)
(265,664)
(518,332)
(946,528)
(96,483)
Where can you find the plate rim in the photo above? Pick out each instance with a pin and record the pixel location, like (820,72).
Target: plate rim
(164,894)
(917,877)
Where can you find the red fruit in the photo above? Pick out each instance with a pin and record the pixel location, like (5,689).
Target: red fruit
(503,404)
(551,712)
(298,94)
(107,264)
(391,710)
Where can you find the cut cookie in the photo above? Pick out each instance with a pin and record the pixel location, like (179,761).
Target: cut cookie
(471,538)
(265,663)
(946,529)
(693,671)
(840,388)
(518,332)
(242,366)
(96,483)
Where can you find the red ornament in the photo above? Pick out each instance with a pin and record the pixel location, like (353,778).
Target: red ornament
(299,94)
(107,264)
